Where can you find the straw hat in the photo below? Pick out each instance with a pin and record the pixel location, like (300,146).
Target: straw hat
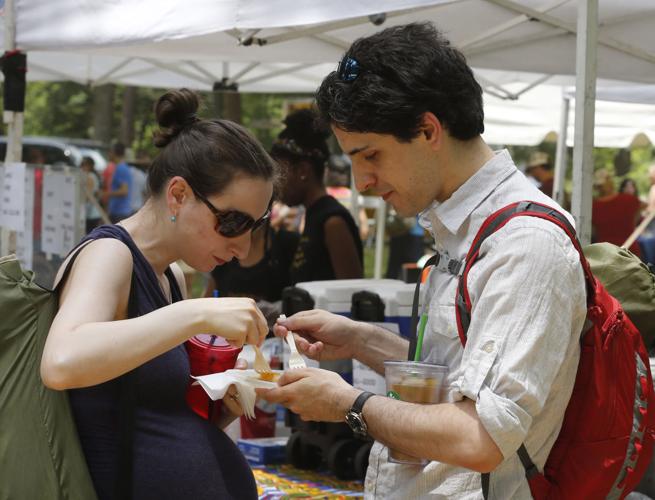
(538,158)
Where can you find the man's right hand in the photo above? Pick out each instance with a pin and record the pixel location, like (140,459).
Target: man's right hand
(321,335)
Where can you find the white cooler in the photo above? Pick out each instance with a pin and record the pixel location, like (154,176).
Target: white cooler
(336,296)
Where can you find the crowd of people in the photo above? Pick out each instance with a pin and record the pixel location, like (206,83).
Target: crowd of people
(406,109)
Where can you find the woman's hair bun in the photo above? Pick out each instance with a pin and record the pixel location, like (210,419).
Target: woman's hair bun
(174,110)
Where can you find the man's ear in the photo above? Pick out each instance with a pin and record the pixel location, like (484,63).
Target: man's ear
(431,129)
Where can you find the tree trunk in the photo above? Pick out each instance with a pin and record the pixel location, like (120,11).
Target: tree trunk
(228,105)
(126,133)
(103,112)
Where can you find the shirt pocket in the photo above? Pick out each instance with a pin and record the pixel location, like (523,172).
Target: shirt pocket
(442,320)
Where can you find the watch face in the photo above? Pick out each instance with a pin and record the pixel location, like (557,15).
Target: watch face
(356,423)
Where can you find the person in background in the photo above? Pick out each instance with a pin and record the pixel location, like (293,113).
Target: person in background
(138,170)
(614,214)
(263,273)
(651,191)
(92,188)
(337,180)
(405,244)
(120,190)
(330,246)
(628,186)
(539,168)
(122,322)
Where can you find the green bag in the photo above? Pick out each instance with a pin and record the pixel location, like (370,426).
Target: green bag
(630,281)
(40,452)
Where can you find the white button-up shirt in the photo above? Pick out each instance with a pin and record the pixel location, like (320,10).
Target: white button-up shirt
(519,364)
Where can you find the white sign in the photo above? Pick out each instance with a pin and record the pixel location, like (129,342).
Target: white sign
(25,236)
(12,194)
(58,212)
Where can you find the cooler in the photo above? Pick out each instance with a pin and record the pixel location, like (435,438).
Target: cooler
(333,296)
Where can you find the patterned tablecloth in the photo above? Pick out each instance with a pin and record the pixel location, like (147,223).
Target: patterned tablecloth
(277,482)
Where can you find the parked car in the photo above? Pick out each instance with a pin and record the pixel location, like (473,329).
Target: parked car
(58,151)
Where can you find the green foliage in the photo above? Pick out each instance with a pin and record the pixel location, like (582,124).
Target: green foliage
(263,114)
(60,109)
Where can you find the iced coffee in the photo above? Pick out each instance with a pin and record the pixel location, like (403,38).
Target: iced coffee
(413,382)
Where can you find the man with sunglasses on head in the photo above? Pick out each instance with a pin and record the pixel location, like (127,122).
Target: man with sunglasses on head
(405,106)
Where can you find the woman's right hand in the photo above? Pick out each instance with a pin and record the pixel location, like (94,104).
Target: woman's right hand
(236,319)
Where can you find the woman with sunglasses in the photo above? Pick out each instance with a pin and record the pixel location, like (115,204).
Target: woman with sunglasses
(117,340)
(330,246)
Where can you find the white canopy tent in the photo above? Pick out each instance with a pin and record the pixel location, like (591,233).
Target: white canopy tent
(252,41)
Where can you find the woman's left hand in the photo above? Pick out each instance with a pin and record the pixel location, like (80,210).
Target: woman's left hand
(231,405)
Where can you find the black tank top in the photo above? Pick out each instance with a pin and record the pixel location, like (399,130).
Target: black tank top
(311,261)
(267,278)
(176,454)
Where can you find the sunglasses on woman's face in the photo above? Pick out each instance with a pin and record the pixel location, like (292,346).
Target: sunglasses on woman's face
(233,223)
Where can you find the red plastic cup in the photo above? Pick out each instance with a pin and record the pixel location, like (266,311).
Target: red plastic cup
(208,354)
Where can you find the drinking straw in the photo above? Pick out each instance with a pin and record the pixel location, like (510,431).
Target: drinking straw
(419,343)
(213,337)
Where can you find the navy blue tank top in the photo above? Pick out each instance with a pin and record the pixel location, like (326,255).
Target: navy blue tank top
(176,454)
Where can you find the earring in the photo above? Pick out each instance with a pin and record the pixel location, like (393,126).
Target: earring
(173,219)
(303,177)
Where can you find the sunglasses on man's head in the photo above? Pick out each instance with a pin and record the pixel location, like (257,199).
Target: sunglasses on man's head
(233,223)
(349,69)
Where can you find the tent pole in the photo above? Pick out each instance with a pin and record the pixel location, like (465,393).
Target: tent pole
(13,120)
(560,155)
(380,219)
(585,97)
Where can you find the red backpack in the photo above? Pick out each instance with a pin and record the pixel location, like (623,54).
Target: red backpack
(606,440)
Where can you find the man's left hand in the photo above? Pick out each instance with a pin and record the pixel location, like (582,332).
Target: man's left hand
(313,394)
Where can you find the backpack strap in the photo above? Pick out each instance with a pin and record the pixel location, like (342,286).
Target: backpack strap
(127,393)
(463,301)
(493,223)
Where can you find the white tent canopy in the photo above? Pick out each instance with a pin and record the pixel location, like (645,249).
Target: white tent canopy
(615,41)
(531,35)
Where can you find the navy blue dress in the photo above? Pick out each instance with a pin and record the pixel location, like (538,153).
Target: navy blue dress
(176,454)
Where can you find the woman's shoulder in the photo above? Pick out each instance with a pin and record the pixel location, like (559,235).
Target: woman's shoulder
(109,257)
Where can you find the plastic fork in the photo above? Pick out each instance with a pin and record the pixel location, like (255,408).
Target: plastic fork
(295,359)
(260,364)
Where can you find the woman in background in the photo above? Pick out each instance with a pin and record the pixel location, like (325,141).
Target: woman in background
(330,246)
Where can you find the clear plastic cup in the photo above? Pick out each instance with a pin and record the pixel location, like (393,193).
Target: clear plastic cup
(413,382)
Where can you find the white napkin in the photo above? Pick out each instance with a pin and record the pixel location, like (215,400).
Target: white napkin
(245,381)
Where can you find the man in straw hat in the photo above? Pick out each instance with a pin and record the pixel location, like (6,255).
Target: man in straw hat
(406,108)
(539,167)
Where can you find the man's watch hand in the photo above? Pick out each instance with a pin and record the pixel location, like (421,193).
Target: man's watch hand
(354,417)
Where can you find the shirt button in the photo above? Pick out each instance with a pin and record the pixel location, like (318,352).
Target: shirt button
(488,346)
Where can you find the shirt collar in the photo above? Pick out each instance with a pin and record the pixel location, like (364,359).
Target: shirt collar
(455,210)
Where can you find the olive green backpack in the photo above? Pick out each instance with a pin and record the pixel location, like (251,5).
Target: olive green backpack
(630,281)
(40,452)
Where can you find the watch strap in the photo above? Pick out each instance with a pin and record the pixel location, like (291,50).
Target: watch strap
(358,405)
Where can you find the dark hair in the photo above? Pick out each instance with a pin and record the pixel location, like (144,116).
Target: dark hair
(403,72)
(624,184)
(303,138)
(118,148)
(206,153)
(88,160)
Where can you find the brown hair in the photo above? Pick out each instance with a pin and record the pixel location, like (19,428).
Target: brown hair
(208,154)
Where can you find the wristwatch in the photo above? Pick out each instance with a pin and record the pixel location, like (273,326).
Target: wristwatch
(354,417)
